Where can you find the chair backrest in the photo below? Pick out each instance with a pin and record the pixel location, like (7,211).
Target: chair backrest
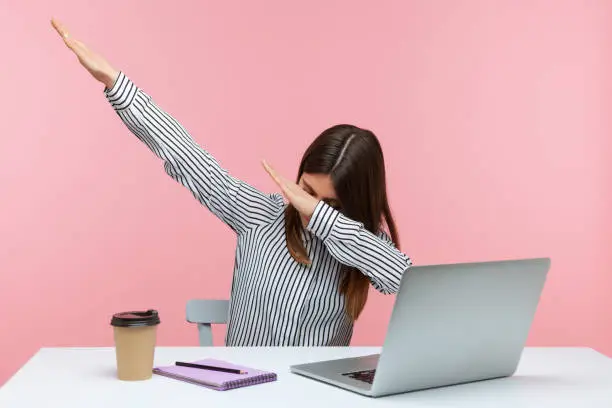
(204,313)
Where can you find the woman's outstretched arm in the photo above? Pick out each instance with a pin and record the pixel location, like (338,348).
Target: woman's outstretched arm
(236,203)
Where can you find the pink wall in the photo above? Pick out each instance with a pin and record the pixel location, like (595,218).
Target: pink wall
(494,116)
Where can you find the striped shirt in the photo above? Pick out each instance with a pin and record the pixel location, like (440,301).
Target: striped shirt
(274,300)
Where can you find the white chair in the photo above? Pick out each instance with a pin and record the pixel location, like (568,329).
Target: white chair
(204,313)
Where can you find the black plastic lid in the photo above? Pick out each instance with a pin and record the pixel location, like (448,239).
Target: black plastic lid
(135,319)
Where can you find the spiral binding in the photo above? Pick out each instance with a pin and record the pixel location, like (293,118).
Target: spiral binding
(245,382)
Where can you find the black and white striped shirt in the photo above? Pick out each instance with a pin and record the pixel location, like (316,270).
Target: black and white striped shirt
(275,301)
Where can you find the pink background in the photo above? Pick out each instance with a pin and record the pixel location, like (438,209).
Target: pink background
(494,117)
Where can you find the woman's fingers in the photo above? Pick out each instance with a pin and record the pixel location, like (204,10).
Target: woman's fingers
(74,45)
(272,173)
(58,27)
(95,64)
(300,199)
(269,169)
(61,29)
(70,43)
(285,192)
(285,188)
(288,187)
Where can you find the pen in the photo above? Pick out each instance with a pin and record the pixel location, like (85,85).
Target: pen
(212,368)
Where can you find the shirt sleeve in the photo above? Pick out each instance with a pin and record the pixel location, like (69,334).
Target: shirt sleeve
(236,203)
(351,244)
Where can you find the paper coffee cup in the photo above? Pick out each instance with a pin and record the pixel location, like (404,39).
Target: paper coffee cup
(135,336)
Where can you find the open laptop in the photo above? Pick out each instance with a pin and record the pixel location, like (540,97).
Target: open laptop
(450,324)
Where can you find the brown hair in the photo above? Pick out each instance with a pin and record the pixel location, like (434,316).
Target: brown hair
(353,158)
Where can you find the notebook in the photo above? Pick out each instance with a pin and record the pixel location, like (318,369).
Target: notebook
(216,380)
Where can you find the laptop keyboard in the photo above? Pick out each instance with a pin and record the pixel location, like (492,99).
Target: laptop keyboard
(365,376)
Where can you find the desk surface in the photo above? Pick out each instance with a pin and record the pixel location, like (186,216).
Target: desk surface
(85,377)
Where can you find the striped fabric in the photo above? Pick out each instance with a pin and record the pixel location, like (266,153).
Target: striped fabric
(275,301)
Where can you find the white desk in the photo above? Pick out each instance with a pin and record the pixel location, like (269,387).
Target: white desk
(85,377)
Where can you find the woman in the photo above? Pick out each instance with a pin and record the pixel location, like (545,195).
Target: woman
(302,269)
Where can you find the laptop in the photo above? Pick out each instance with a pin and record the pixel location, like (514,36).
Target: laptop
(451,324)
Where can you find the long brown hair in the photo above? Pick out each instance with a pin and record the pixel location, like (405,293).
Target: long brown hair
(353,158)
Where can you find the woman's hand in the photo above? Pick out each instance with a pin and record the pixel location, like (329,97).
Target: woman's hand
(97,66)
(300,199)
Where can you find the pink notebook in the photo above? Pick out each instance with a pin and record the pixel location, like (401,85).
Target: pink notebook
(217,380)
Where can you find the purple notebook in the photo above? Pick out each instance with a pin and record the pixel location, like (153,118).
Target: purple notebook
(217,380)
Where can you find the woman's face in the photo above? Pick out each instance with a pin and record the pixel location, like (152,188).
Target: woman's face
(321,187)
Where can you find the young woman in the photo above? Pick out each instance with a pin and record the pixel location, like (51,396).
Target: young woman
(302,270)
